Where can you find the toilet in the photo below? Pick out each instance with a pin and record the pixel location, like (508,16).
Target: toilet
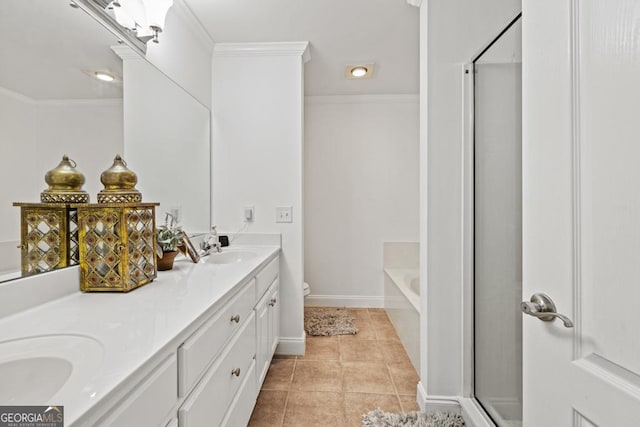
(306,290)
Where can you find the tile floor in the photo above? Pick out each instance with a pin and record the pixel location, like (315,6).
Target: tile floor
(340,378)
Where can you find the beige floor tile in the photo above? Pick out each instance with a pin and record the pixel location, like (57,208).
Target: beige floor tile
(314,409)
(377,310)
(317,375)
(360,350)
(409,403)
(359,314)
(367,377)
(279,375)
(379,316)
(358,404)
(385,330)
(404,377)
(321,348)
(269,410)
(365,332)
(394,351)
(283,356)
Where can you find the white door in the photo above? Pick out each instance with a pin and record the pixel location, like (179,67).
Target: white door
(581,211)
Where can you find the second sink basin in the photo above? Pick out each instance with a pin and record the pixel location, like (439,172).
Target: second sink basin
(231,257)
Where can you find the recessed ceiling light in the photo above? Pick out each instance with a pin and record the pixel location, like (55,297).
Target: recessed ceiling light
(105,77)
(359,71)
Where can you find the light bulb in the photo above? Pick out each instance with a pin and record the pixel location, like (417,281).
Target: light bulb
(359,71)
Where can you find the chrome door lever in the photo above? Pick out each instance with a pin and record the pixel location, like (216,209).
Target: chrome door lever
(542,307)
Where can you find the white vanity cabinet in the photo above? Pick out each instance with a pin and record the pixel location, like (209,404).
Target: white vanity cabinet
(268,330)
(220,366)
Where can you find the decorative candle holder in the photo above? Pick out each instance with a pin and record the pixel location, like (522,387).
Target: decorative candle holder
(49,230)
(117,235)
(117,246)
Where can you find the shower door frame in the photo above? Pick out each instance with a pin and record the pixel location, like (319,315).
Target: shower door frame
(470,405)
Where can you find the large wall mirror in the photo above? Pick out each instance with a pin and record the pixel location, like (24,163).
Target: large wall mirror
(52,102)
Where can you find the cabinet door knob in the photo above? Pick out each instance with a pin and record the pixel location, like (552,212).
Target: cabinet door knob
(273,302)
(235,318)
(236,372)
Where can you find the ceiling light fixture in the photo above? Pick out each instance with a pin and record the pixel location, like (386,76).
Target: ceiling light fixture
(105,77)
(359,71)
(144,17)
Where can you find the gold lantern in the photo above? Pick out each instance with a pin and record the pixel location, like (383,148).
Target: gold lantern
(49,230)
(117,235)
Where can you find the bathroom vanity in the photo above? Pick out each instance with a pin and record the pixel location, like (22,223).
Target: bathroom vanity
(190,349)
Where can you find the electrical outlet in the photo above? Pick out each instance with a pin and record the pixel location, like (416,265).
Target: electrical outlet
(249,213)
(284,214)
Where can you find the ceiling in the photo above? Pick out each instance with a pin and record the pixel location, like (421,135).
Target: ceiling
(340,32)
(45,45)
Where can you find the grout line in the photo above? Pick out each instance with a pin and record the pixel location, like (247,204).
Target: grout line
(286,400)
(284,409)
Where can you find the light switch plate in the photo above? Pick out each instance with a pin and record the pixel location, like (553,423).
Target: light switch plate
(284,213)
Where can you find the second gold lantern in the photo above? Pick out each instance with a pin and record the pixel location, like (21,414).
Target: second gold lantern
(117,240)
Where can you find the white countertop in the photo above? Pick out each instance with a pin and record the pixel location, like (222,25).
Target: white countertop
(131,327)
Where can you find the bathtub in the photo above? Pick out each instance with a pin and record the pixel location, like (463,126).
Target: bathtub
(402,304)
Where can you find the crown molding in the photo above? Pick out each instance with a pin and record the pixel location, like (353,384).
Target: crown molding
(416,3)
(17,96)
(79,102)
(263,49)
(58,102)
(362,99)
(192,22)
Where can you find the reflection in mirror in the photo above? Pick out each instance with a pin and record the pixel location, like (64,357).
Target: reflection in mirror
(51,103)
(166,134)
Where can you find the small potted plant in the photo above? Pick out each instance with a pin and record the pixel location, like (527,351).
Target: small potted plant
(169,238)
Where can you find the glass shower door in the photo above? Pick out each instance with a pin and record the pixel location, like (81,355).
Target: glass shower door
(498,228)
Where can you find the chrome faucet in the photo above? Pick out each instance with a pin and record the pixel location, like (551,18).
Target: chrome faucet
(212,243)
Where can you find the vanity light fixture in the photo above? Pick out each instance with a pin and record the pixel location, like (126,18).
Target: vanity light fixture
(359,71)
(144,17)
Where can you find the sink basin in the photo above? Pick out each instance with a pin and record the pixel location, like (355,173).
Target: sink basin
(231,257)
(35,369)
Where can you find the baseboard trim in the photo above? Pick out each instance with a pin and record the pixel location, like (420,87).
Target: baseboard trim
(429,403)
(473,415)
(359,301)
(291,346)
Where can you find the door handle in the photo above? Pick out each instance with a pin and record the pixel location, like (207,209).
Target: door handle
(542,307)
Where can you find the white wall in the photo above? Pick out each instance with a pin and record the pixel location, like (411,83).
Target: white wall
(33,137)
(184,52)
(167,143)
(361,189)
(17,147)
(257,151)
(452,31)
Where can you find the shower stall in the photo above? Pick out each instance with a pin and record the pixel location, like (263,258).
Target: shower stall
(497,226)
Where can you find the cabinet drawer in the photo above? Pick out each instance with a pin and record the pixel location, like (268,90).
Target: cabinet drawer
(239,413)
(199,349)
(150,403)
(266,277)
(210,399)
